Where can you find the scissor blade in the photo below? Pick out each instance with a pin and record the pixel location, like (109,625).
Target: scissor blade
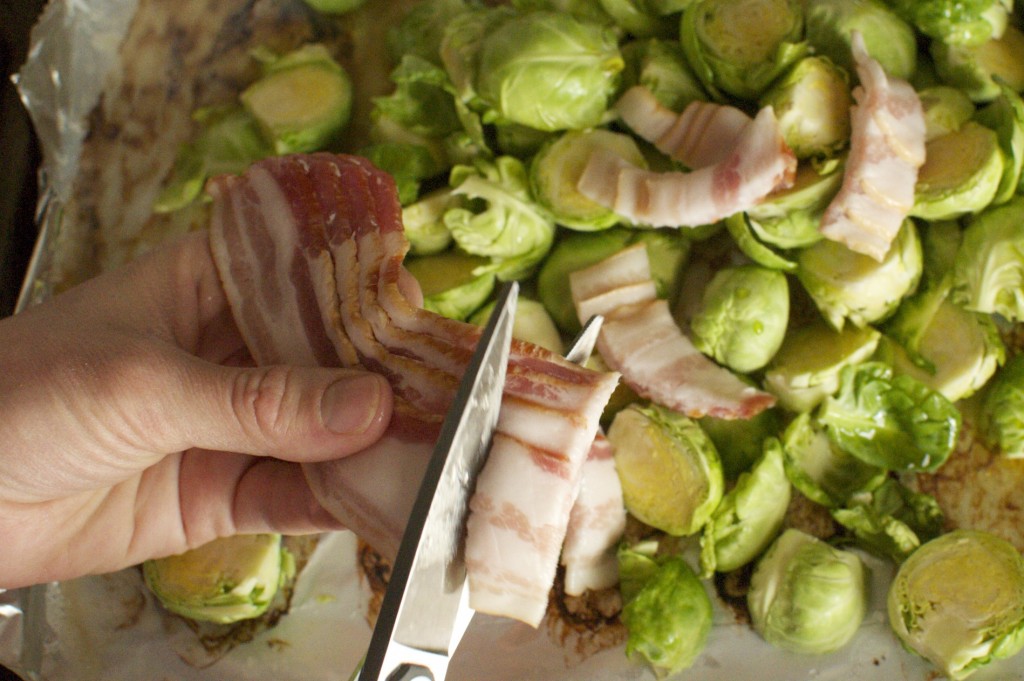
(423,607)
(583,345)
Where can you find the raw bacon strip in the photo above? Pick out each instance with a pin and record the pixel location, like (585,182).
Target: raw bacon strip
(887,147)
(596,524)
(702,135)
(640,339)
(758,163)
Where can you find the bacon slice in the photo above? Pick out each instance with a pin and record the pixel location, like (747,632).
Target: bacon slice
(757,163)
(640,339)
(550,409)
(887,147)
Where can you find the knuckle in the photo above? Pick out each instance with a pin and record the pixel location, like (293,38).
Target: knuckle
(262,400)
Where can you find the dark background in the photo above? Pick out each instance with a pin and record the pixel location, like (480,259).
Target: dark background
(19,158)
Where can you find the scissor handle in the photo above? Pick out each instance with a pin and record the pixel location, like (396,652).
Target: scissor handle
(411,672)
(402,663)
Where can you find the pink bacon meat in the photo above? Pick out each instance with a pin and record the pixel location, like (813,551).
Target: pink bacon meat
(550,409)
(640,339)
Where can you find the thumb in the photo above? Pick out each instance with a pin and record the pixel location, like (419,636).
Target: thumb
(292,413)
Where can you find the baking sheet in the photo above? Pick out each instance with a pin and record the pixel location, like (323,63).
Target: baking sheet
(110,628)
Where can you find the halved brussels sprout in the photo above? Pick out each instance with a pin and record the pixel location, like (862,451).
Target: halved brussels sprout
(224,581)
(1002,412)
(821,471)
(889,39)
(945,110)
(670,472)
(989,271)
(1005,115)
(806,596)
(749,516)
(661,67)
(556,169)
(743,317)
(548,71)
(812,103)
(303,100)
(532,324)
(450,284)
(423,222)
(960,175)
(740,442)
(958,601)
(790,218)
(739,47)
(846,285)
(977,69)
(892,520)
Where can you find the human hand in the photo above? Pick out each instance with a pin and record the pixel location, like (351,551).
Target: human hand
(130,431)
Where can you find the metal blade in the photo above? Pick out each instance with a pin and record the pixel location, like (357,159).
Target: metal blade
(583,345)
(424,606)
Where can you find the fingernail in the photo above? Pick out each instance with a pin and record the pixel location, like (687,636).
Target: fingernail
(349,405)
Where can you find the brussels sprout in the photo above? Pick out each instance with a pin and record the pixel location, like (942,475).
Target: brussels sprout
(1005,115)
(532,324)
(228,142)
(670,472)
(738,47)
(977,69)
(450,283)
(666,249)
(421,103)
(224,581)
(740,442)
(421,30)
(638,18)
(956,22)
(749,516)
(303,100)
(556,170)
(587,10)
(548,71)
(408,164)
(1003,410)
(960,175)
(335,6)
(743,318)
(741,229)
(806,596)
(661,67)
(499,219)
(895,422)
(790,218)
(519,140)
(891,521)
(806,368)
(958,601)
(989,271)
(668,621)
(846,285)
(889,40)
(463,39)
(821,471)
(812,103)
(424,226)
(945,110)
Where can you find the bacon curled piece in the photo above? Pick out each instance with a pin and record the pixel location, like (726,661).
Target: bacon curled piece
(887,147)
(596,524)
(756,163)
(550,408)
(640,339)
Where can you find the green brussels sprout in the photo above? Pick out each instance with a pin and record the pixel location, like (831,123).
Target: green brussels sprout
(891,421)
(424,226)
(451,284)
(957,22)
(1002,413)
(421,104)
(661,67)
(812,103)
(638,563)
(738,47)
(889,39)
(743,317)
(549,71)
(806,596)
(891,521)
(335,6)
(587,10)
(846,285)
(303,100)
(669,619)
(806,368)
(743,230)
(977,69)
(945,110)
(229,141)
(421,30)
(749,515)
(989,271)
(789,218)
(1005,115)
(463,39)
(532,324)
(638,18)
(740,442)
(556,169)
(670,472)
(408,164)
(498,218)
(958,601)
(822,472)
(224,581)
(960,175)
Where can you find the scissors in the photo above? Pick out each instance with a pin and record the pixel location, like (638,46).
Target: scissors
(425,611)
